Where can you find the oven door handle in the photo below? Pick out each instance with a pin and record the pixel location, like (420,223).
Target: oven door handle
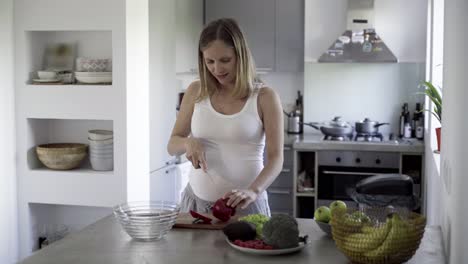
(350,173)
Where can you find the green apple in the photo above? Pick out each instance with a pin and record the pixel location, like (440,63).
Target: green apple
(358,215)
(322,214)
(337,205)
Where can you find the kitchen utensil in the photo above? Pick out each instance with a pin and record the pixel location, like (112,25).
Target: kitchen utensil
(377,235)
(294,122)
(61,156)
(335,128)
(185,220)
(368,126)
(147,220)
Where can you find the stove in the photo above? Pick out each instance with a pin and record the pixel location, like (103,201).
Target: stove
(343,138)
(369,137)
(361,137)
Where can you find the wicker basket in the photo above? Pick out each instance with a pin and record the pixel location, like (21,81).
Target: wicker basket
(374,237)
(61,156)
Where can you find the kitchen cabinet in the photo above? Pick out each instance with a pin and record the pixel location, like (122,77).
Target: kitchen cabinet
(401,24)
(324,22)
(257,21)
(48,113)
(189,24)
(274,31)
(305,183)
(289,45)
(280,192)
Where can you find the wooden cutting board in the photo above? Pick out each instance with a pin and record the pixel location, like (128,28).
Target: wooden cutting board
(185,220)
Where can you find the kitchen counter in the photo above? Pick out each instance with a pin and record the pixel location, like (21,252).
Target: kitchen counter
(315,142)
(105,242)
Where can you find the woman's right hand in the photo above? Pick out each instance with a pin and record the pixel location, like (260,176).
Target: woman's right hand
(195,153)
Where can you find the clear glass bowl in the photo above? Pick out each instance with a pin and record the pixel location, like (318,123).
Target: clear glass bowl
(148,220)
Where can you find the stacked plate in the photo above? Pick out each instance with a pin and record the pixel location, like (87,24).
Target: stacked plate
(93,77)
(147,220)
(101,149)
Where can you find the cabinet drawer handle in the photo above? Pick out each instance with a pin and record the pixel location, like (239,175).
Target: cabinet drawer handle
(350,173)
(276,191)
(286,170)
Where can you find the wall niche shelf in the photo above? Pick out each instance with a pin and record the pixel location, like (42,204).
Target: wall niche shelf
(58,50)
(55,221)
(44,131)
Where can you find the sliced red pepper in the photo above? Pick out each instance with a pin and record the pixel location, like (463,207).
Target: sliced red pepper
(199,217)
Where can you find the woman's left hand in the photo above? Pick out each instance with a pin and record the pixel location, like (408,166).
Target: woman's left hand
(240,198)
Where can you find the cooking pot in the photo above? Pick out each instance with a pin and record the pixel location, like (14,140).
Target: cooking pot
(334,128)
(368,126)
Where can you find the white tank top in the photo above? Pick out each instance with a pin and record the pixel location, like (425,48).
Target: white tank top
(233,144)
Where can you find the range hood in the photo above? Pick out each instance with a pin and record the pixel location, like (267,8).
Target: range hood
(360,42)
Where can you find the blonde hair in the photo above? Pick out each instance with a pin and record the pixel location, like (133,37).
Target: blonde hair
(228,31)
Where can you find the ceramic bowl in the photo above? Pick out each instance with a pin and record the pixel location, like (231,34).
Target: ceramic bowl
(100,134)
(61,156)
(47,75)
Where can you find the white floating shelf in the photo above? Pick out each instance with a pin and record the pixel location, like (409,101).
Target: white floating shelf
(75,187)
(70,101)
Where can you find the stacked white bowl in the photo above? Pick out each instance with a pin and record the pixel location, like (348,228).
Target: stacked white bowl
(101,149)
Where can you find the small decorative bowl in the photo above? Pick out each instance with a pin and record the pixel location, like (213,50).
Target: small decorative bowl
(326,227)
(147,220)
(61,156)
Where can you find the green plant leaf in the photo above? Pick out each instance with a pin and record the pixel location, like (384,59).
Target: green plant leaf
(433,93)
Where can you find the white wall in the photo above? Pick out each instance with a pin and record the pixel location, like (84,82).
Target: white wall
(286,84)
(8,220)
(355,91)
(454,165)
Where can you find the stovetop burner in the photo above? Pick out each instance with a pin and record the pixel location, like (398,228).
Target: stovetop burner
(368,137)
(342,138)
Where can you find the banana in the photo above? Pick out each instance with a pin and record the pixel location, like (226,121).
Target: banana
(369,239)
(395,240)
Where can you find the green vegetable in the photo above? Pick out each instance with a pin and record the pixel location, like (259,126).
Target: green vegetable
(281,231)
(240,230)
(258,220)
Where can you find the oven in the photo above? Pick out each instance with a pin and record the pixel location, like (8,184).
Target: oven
(340,170)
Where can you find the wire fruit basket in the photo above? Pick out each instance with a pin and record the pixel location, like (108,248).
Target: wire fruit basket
(377,235)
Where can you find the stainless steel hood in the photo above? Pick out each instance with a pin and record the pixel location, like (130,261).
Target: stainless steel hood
(360,42)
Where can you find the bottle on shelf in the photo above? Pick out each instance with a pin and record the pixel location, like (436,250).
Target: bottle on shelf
(299,111)
(404,119)
(415,120)
(407,128)
(420,122)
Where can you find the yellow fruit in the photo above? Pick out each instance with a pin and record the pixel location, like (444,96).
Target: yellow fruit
(369,239)
(394,241)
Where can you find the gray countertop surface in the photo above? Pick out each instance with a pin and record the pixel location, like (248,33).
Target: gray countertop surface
(105,242)
(315,142)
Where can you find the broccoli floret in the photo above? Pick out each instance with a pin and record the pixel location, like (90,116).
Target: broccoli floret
(258,220)
(281,231)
